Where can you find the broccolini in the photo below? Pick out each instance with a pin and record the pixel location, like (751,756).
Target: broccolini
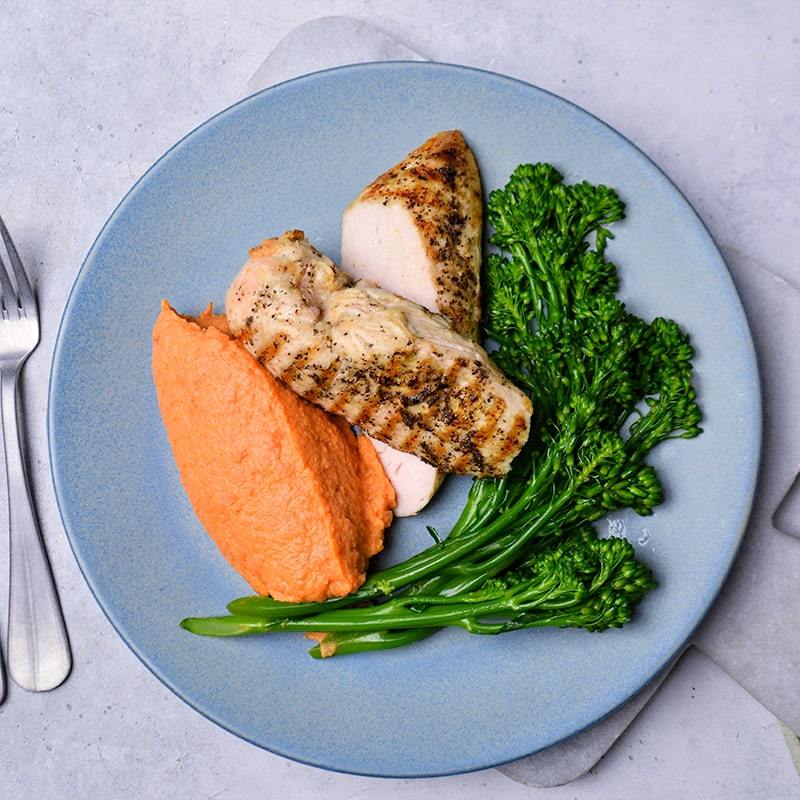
(607,388)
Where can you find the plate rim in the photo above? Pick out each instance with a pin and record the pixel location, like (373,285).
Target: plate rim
(756,432)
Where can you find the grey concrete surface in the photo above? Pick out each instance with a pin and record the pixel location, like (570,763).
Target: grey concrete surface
(92,93)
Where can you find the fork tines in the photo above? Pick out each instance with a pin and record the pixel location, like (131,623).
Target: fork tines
(22,301)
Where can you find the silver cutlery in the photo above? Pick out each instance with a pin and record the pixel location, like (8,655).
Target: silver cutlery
(38,649)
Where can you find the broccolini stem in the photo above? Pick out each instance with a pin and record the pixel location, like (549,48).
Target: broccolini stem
(340,644)
(390,615)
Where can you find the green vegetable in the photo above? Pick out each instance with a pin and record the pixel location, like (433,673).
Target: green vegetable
(584,583)
(607,388)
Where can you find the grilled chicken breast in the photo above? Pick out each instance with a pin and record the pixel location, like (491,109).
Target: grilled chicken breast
(384,363)
(416,231)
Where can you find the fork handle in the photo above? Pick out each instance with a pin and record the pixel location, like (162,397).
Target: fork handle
(38,649)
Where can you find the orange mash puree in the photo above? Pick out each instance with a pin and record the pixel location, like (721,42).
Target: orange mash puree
(295,501)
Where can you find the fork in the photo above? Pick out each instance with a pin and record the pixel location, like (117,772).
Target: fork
(38,650)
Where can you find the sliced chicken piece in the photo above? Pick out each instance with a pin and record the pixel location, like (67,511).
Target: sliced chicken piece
(414,482)
(416,231)
(384,363)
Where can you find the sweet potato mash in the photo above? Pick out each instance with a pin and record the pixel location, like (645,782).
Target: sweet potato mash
(293,499)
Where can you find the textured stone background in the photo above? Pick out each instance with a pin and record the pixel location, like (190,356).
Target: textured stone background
(92,93)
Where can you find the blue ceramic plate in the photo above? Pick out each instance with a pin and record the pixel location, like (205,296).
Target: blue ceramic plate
(292,157)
